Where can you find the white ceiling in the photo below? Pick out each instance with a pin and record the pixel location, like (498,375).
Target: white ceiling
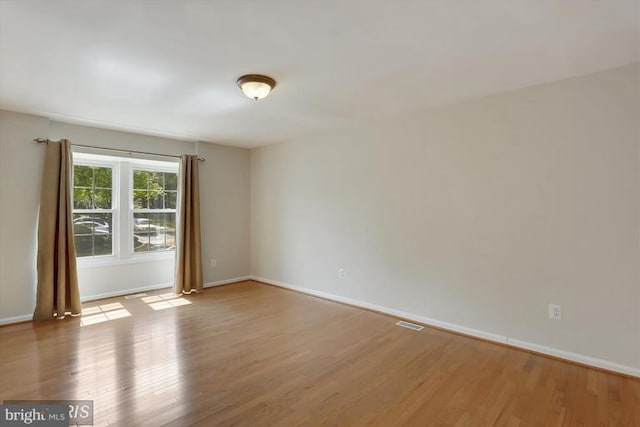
(169,67)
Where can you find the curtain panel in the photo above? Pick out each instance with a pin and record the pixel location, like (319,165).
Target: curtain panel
(188,249)
(57,291)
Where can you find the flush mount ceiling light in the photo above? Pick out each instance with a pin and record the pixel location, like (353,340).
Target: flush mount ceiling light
(256,86)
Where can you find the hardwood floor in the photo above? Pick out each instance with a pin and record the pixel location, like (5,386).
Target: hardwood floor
(249,354)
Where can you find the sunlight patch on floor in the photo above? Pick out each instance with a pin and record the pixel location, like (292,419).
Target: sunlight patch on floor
(103,313)
(174,302)
(164,301)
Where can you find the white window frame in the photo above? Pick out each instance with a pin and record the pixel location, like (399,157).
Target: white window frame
(154,167)
(122,208)
(114,211)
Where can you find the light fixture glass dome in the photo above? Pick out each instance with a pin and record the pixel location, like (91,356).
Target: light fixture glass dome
(256,86)
(255,90)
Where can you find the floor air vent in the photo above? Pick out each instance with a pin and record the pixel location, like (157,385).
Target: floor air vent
(411,326)
(135,296)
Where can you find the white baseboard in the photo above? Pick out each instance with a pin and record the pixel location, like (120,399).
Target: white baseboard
(126,292)
(227,281)
(574,357)
(15,319)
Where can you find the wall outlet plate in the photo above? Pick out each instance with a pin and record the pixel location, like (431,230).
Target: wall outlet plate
(341,273)
(214,262)
(555,311)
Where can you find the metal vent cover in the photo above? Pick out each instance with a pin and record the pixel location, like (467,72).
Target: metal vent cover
(135,296)
(411,326)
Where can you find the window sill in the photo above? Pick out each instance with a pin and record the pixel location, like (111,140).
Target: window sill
(133,259)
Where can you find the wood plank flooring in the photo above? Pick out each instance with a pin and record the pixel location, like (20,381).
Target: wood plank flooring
(250,354)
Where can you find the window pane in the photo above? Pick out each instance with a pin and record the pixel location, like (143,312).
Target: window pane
(83,235)
(140,199)
(140,179)
(141,230)
(93,234)
(102,199)
(102,244)
(86,179)
(154,231)
(103,221)
(156,191)
(82,198)
(170,231)
(157,179)
(161,233)
(155,200)
(84,245)
(102,177)
(170,199)
(82,176)
(156,237)
(171,181)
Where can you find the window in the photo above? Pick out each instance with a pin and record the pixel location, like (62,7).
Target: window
(93,210)
(123,208)
(154,210)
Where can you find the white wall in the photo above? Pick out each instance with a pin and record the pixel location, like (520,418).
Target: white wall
(20,174)
(478,214)
(224,203)
(225,211)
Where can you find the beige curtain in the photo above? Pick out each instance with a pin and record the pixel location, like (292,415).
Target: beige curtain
(57,292)
(188,250)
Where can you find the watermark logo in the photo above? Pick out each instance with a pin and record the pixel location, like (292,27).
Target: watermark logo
(46,413)
(36,415)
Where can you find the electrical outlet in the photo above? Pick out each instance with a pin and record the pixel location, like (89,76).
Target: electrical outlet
(341,273)
(555,311)
(214,262)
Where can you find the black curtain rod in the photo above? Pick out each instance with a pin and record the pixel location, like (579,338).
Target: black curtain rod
(46,141)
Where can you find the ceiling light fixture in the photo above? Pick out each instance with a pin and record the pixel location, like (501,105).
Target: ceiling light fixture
(256,86)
